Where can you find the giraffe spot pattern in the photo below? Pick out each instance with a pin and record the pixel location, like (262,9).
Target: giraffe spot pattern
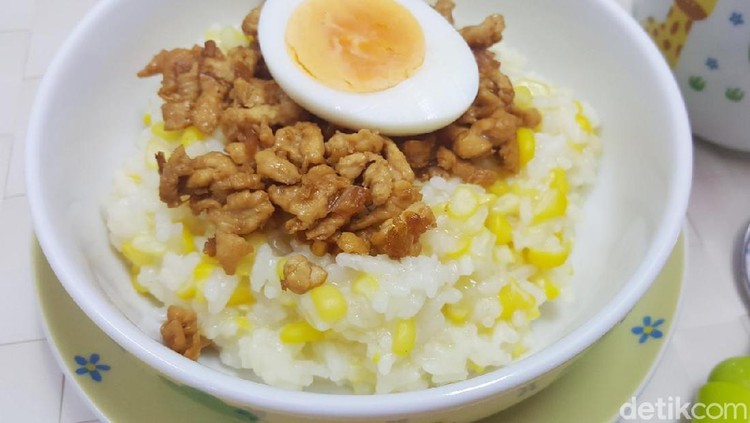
(674,28)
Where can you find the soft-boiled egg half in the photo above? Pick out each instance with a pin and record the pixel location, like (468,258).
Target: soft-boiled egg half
(396,66)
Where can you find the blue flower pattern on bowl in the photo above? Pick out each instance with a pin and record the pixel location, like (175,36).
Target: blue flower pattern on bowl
(91,366)
(698,83)
(736,19)
(649,329)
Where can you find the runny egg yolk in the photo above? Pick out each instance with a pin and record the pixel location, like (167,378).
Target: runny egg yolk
(356,45)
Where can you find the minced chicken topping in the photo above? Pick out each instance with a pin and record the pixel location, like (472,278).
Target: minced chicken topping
(337,190)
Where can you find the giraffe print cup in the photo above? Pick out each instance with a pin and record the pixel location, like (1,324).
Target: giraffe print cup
(707,45)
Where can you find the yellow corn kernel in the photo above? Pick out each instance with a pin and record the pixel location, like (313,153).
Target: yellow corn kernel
(135,178)
(474,367)
(523,98)
(553,204)
(212,34)
(582,120)
(575,146)
(134,270)
(463,247)
(153,147)
(523,191)
(158,130)
(518,350)
(457,313)
(199,296)
(526,144)
(142,250)
(188,293)
(298,332)
(232,37)
(280,268)
(147,119)
(191,135)
(376,358)
(499,187)
(465,283)
(499,225)
(533,313)
(243,323)
(329,302)
(204,268)
(535,87)
(463,203)
(513,297)
(546,259)
(246,265)
(241,294)
(365,285)
(188,242)
(559,180)
(551,290)
(404,337)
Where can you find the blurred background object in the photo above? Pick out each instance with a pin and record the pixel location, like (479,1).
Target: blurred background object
(707,44)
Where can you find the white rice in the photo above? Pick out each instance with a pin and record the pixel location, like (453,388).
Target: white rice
(461,267)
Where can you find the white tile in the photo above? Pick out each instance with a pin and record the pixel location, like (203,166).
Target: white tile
(702,348)
(19,318)
(6,143)
(31,383)
(17,14)
(713,161)
(74,409)
(720,210)
(15,184)
(53,22)
(29,88)
(709,292)
(13,46)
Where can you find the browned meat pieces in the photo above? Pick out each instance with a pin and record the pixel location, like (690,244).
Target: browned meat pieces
(445,8)
(481,145)
(229,194)
(308,201)
(341,144)
(301,275)
(250,23)
(275,168)
(288,171)
(465,170)
(181,334)
(206,87)
(419,153)
(399,237)
(334,194)
(486,34)
(257,101)
(195,83)
(349,242)
(301,144)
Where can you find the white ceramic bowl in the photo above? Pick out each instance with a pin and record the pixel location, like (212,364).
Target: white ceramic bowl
(88,112)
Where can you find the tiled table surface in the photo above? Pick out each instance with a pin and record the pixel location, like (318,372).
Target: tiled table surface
(713,323)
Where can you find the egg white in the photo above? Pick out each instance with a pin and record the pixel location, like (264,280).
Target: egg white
(433,97)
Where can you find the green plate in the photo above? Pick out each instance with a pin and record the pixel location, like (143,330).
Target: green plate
(120,388)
